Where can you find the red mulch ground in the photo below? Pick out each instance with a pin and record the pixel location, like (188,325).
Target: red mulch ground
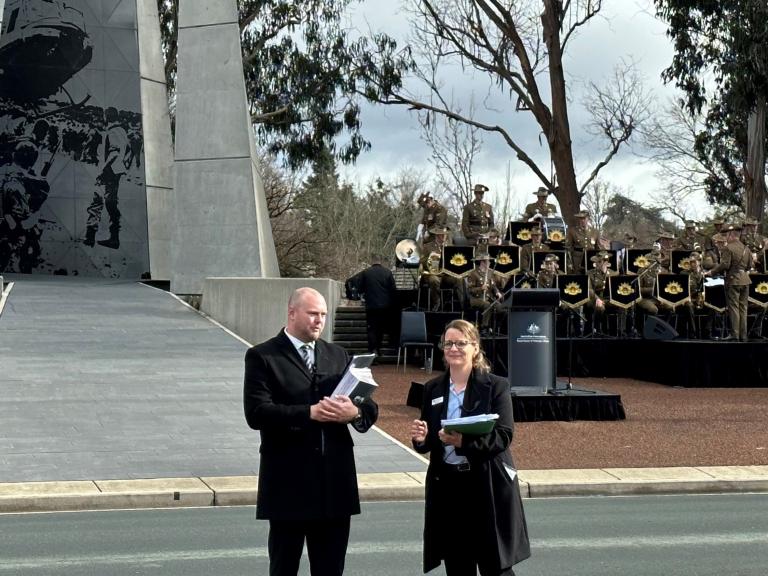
(665,426)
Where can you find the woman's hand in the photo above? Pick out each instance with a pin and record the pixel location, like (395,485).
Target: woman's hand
(452,438)
(419,431)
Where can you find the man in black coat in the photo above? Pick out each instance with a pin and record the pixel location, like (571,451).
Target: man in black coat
(307,477)
(377,285)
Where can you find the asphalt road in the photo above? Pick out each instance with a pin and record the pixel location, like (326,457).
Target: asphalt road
(648,536)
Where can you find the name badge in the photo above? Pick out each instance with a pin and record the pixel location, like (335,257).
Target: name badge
(436,401)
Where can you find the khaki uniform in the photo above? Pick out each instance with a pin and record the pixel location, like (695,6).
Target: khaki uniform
(755,243)
(526,256)
(429,271)
(735,260)
(696,283)
(435,215)
(687,241)
(477,219)
(544,208)
(547,279)
(577,240)
(483,289)
(598,281)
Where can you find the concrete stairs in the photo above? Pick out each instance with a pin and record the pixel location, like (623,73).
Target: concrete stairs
(351,333)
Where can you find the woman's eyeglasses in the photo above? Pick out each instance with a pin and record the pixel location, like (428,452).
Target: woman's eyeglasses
(448,344)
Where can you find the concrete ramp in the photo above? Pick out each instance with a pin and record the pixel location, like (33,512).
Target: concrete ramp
(117,380)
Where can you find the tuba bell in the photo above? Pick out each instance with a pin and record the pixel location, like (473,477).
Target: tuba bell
(407,251)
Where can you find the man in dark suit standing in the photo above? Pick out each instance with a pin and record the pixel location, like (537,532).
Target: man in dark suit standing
(377,285)
(307,478)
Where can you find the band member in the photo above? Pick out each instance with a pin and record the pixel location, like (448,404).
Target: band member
(431,269)
(550,269)
(696,284)
(433,214)
(688,239)
(755,242)
(541,207)
(735,260)
(647,278)
(484,287)
(477,218)
(527,251)
(580,237)
(598,294)
(711,257)
(665,242)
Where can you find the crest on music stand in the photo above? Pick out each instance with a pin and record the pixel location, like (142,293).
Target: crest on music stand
(574,289)
(519,233)
(758,290)
(507,259)
(673,289)
(623,290)
(679,262)
(458,261)
(636,259)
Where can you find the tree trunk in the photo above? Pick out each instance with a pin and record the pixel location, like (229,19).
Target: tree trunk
(754,195)
(559,136)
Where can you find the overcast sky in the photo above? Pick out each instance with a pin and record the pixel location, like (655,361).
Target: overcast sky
(625,30)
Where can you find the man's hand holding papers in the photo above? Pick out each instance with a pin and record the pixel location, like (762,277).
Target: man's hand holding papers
(357,382)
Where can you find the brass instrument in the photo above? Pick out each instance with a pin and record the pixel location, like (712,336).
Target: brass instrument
(433,264)
(406,250)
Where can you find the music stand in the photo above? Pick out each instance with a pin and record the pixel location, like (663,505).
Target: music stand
(531,343)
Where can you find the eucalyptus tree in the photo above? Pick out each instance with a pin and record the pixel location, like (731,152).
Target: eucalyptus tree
(520,47)
(721,65)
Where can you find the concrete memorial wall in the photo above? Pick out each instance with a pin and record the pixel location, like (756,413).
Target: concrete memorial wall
(72,171)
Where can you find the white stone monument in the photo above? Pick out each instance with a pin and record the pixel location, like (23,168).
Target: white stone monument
(221,226)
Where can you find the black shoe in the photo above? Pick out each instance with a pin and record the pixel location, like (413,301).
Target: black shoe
(113,243)
(726,338)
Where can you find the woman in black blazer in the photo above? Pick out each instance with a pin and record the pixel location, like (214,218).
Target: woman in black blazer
(473,511)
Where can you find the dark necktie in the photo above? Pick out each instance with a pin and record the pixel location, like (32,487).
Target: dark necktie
(306,356)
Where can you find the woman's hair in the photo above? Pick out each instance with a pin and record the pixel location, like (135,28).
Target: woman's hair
(469,330)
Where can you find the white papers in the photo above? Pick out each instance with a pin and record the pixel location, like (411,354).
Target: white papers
(358,371)
(469,419)
(714,281)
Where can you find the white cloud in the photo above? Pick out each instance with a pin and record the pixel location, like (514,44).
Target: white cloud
(624,31)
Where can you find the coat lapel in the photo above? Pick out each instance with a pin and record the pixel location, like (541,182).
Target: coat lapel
(476,398)
(289,351)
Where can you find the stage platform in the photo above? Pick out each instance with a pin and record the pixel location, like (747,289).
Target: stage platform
(561,404)
(686,363)
(679,362)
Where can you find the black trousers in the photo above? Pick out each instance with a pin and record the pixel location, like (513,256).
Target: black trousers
(379,322)
(326,546)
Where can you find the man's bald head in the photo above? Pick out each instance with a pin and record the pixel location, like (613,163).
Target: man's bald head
(307,311)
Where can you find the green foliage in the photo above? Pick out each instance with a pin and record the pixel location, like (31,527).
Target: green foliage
(721,65)
(342,227)
(302,69)
(622,214)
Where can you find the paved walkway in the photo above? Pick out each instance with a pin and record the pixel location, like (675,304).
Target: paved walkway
(115,394)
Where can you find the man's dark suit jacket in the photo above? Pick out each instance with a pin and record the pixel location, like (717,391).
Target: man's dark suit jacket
(378,286)
(307,469)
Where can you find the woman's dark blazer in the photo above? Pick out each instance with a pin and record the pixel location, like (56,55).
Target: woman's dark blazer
(306,468)
(488,456)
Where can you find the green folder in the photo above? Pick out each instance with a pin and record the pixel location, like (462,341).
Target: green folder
(473,427)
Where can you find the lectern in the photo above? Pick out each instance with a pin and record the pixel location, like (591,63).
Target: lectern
(532,345)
